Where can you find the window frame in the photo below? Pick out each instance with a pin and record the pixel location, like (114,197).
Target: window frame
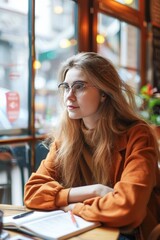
(88,25)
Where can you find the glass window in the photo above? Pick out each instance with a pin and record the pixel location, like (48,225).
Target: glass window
(55,40)
(13,66)
(130,3)
(119,41)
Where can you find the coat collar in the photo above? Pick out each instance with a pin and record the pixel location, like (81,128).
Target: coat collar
(121,142)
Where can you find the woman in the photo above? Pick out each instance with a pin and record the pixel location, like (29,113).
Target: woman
(103,159)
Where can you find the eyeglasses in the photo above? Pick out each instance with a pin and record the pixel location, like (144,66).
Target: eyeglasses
(77,87)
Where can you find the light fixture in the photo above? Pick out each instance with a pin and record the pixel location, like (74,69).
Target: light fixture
(128,2)
(36,64)
(73,42)
(100,39)
(65,43)
(58,9)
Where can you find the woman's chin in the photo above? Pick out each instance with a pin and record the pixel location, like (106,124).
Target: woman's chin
(73,116)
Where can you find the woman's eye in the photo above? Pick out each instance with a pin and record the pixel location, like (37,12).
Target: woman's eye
(66,87)
(79,86)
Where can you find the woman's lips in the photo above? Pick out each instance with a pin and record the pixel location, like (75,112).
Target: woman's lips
(71,107)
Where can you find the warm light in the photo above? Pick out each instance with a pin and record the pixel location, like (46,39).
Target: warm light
(65,43)
(100,39)
(128,2)
(36,64)
(58,9)
(73,42)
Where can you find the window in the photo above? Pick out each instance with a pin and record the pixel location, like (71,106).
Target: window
(13,67)
(130,3)
(55,41)
(28,82)
(119,42)
(119,33)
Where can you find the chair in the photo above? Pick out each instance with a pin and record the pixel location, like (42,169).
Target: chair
(5,188)
(21,153)
(40,154)
(6,162)
(12,156)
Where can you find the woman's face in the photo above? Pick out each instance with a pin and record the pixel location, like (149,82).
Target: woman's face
(83,100)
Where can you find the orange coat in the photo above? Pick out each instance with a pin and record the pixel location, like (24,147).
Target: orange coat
(135,201)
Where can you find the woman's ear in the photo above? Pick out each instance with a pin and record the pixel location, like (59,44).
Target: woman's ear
(103,96)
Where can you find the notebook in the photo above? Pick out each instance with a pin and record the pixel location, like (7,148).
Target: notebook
(49,225)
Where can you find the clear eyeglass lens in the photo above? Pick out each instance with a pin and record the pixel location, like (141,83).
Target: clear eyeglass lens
(76,87)
(63,87)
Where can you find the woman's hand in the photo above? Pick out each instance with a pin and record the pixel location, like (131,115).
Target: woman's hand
(79,194)
(68,207)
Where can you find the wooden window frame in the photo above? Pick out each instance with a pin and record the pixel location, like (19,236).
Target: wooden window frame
(88,12)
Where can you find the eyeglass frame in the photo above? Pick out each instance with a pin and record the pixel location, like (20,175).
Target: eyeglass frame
(68,88)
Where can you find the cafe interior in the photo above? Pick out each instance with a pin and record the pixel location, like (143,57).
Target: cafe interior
(35,37)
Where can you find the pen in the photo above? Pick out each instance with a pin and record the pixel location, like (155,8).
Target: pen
(22,214)
(73,219)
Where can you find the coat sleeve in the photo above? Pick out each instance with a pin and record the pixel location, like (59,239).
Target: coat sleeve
(42,191)
(126,206)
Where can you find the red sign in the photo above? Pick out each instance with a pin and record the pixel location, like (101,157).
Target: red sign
(13,106)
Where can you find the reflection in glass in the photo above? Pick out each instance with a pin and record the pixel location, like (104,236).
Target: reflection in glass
(120,45)
(56,40)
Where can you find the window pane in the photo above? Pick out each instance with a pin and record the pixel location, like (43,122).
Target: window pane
(130,3)
(13,66)
(119,42)
(56,39)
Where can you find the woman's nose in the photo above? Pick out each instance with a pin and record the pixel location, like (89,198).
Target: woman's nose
(70,94)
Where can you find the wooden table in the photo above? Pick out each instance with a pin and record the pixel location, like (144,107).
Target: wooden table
(100,233)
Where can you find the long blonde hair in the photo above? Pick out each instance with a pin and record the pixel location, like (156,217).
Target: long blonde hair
(118,114)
